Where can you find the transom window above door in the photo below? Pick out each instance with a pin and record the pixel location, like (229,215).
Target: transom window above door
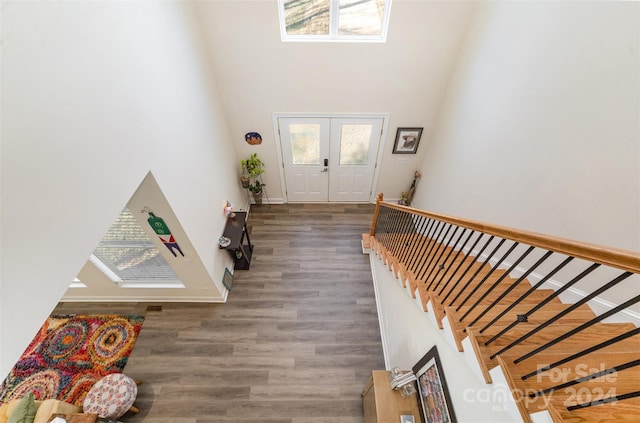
(334,20)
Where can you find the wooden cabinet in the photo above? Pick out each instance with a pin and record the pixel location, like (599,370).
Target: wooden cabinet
(384,405)
(240,247)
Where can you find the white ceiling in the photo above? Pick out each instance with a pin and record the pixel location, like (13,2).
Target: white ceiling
(258,75)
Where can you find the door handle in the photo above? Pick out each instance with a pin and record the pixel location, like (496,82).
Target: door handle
(326,166)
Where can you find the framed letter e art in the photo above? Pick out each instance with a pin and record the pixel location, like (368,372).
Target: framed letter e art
(433,394)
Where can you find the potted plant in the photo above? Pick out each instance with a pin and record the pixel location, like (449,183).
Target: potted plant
(253,167)
(245,179)
(256,191)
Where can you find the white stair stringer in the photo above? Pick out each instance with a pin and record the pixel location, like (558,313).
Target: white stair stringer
(504,397)
(418,300)
(498,392)
(541,417)
(496,396)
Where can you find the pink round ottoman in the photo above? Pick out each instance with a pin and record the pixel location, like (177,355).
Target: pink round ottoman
(111,396)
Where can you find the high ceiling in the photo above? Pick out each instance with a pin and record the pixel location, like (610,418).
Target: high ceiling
(258,74)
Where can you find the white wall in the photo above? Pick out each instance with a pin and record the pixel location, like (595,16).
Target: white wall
(190,269)
(405,77)
(540,128)
(94,96)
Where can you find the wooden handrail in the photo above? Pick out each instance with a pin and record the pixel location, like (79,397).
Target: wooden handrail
(374,222)
(614,257)
(421,248)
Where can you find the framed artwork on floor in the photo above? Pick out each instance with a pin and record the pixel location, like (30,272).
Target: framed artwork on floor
(227,279)
(433,393)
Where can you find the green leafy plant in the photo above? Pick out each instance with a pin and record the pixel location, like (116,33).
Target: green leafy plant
(256,187)
(254,166)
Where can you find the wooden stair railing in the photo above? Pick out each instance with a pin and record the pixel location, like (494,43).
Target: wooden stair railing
(557,357)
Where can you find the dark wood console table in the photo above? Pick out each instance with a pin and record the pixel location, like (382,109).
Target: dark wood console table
(240,247)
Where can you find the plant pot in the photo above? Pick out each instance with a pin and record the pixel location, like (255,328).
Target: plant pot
(257,198)
(245,181)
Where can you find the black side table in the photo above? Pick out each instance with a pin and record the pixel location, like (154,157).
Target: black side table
(240,247)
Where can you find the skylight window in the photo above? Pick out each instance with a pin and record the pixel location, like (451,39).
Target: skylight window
(130,259)
(334,20)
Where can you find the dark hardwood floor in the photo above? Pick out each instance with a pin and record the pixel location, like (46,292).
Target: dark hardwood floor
(295,343)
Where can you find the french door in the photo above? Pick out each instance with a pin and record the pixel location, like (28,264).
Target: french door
(329,158)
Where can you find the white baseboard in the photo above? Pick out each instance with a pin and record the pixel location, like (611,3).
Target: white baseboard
(143,299)
(267,201)
(383,338)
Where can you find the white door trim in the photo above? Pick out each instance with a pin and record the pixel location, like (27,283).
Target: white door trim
(380,153)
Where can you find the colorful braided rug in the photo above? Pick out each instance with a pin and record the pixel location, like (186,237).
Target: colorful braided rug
(69,354)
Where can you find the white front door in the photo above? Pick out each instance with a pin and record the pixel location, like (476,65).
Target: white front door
(353,158)
(329,158)
(305,147)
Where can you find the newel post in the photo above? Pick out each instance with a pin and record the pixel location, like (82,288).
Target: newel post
(379,200)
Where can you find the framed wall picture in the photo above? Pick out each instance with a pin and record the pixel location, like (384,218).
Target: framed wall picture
(407,140)
(433,393)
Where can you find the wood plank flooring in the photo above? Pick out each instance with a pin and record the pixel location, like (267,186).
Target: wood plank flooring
(295,343)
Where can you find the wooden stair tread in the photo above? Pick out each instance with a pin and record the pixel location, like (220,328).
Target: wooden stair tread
(560,327)
(583,392)
(523,306)
(548,311)
(534,297)
(599,330)
(459,328)
(457,279)
(488,299)
(454,288)
(625,381)
(567,347)
(589,336)
(626,411)
(580,315)
(574,369)
(577,394)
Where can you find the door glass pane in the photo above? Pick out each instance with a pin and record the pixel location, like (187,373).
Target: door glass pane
(361,17)
(306,17)
(354,144)
(305,144)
